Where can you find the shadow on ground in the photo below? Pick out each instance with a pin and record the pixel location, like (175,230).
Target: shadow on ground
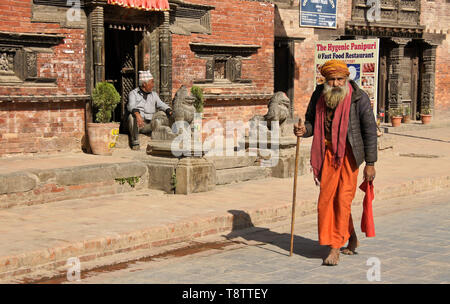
(302,246)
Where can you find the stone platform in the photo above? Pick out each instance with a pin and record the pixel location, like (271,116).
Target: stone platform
(106,229)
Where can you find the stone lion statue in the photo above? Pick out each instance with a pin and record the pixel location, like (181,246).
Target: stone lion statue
(278,106)
(278,110)
(183,110)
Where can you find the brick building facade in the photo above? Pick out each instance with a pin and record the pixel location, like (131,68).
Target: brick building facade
(232,59)
(50,63)
(42,82)
(424,53)
(52,57)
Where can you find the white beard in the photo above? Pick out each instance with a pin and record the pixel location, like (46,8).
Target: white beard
(334,95)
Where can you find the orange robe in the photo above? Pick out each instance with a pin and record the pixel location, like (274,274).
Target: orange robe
(337,190)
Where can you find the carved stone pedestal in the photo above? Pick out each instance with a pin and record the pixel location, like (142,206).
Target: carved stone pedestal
(286,164)
(182,175)
(195,175)
(280,157)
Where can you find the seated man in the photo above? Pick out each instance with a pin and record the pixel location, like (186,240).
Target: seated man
(143,102)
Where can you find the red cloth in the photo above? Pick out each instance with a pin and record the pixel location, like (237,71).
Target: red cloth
(148,5)
(338,133)
(367,224)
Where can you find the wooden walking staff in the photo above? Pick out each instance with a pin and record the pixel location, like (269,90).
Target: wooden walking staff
(297,149)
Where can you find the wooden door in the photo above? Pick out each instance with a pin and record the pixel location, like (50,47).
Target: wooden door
(410,79)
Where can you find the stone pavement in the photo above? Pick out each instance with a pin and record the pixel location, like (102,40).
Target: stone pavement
(37,240)
(411,246)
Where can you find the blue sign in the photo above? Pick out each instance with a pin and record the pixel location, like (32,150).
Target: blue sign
(318,13)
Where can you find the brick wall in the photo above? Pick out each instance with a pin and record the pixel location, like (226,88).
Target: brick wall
(41,127)
(234,113)
(234,22)
(435,16)
(31,126)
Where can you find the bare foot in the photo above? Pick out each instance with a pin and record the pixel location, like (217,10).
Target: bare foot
(333,257)
(352,245)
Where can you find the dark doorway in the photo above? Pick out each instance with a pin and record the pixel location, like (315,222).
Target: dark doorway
(383,78)
(284,68)
(121,63)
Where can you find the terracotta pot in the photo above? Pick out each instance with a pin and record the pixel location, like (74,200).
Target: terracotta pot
(406,119)
(396,121)
(426,118)
(102,137)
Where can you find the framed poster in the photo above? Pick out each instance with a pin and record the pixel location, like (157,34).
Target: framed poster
(318,13)
(361,57)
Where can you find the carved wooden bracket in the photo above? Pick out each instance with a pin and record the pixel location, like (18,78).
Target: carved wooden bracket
(202,49)
(379,30)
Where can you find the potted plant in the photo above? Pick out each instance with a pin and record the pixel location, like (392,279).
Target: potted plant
(406,114)
(102,133)
(197,93)
(396,116)
(425,115)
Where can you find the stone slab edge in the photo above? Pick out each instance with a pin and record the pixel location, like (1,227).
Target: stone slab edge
(54,259)
(34,179)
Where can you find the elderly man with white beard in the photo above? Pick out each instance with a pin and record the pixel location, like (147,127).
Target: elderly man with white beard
(340,118)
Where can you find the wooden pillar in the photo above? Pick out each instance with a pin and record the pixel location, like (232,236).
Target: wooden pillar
(397,66)
(165,60)
(98,39)
(428,77)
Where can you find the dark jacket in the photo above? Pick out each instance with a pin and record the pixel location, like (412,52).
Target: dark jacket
(362,128)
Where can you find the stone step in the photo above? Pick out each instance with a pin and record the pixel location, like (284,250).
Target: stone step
(50,179)
(123,143)
(235,175)
(229,162)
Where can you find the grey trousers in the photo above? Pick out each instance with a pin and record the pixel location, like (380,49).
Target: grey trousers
(134,130)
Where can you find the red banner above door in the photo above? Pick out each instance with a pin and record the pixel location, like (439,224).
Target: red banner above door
(148,5)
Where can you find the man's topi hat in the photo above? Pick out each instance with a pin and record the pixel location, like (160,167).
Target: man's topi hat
(145,76)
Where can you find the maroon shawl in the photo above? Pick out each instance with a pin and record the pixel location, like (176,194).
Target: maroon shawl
(338,133)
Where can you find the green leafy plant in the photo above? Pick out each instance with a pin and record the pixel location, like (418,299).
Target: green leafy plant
(173,181)
(426,110)
(132,181)
(197,92)
(406,111)
(395,112)
(105,98)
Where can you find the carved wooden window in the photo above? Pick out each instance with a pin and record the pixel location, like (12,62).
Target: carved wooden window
(17,65)
(187,18)
(6,61)
(223,62)
(18,56)
(391,11)
(219,69)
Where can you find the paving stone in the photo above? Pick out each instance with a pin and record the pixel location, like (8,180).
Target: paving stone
(403,224)
(270,263)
